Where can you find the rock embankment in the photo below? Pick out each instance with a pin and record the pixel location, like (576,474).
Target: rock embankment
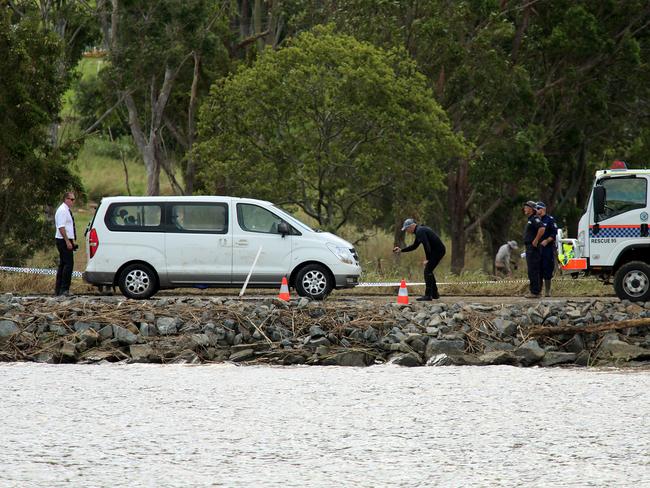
(202,330)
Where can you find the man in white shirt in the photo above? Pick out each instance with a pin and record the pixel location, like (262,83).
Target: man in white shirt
(504,259)
(65,236)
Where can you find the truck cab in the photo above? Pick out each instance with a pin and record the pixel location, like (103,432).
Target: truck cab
(613,239)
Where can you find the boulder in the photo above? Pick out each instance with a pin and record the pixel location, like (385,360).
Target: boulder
(553,358)
(124,336)
(437,346)
(148,330)
(106,332)
(529,353)
(141,353)
(497,357)
(617,350)
(167,325)
(505,327)
(349,358)
(242,355)
(80,326)
(408,360)
(7,328)
(68,350)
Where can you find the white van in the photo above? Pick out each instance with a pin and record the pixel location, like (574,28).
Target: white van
(144,244)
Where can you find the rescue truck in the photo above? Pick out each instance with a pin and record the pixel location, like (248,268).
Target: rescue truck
(613,240)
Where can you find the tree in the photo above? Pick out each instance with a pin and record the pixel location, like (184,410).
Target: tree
(30,95)
(329,124)
(159,53)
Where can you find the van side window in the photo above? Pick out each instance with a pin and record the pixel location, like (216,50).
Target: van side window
(134,217)
(623,195)
(199,218)
(253,218)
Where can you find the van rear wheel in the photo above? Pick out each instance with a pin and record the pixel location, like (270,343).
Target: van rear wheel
(138,281)
(632,281)
(314,281)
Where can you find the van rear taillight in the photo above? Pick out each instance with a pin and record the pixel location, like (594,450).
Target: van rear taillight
(93,242)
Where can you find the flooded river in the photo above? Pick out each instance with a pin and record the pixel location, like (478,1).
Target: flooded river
(222,425)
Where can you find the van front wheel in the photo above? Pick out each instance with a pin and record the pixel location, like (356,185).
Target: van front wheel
(314,281)
(632,281)
(138,281)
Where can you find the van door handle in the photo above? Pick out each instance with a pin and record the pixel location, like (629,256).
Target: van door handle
(242,242)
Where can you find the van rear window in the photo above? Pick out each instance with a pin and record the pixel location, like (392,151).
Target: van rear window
(134,217)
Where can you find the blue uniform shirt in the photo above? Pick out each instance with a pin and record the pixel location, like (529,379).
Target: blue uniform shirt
(551,227)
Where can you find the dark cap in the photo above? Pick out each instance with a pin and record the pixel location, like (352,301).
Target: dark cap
(407,223)
(539,205)
(531,204)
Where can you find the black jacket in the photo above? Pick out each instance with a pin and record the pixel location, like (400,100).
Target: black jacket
(433,246)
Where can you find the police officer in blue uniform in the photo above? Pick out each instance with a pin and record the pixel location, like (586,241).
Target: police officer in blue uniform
(532,237)
(547,246)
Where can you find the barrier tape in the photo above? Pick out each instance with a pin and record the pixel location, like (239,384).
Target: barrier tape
(41,271)
(77,274)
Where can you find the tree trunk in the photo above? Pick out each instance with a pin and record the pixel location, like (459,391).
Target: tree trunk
(190,170)
(457,192)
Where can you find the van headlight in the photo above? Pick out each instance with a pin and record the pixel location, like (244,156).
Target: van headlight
(341,252)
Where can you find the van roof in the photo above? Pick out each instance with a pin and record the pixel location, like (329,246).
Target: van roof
(172,198)
(622,172)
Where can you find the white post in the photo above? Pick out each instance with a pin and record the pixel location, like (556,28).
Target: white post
(243,288)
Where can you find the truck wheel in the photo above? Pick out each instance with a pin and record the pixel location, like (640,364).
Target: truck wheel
(314,281)
(138,281)
(632,281)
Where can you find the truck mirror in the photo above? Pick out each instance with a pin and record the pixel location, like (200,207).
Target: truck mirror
(599,201)
(283,228)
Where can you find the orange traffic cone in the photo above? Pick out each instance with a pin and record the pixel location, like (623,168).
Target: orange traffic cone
(284,290)
(403,295)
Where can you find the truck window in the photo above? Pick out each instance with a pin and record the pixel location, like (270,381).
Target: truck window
(623,195)
(130,217)
(199,218)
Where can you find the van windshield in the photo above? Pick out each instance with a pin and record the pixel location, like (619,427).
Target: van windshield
(293,220)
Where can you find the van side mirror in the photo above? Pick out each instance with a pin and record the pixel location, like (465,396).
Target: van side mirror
(599,201)
(283,228)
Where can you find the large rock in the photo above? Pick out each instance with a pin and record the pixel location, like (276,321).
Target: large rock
(106,332)
(449,347)
(80,326)
(7,328)
(242,355)
(505,327)
(167,325)
(68,350)
(409,360)
(553,358)
(497,357)
(530,353)
(349,358)
(617,350)
(141,353)
(124,336)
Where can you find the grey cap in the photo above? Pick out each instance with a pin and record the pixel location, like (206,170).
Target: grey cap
(513,245)
(407,223)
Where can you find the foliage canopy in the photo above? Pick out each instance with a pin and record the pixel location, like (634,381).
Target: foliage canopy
(329,124)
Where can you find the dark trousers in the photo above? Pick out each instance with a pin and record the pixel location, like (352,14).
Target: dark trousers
(534,263)
(431,289)
(548,261)
(64,272)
